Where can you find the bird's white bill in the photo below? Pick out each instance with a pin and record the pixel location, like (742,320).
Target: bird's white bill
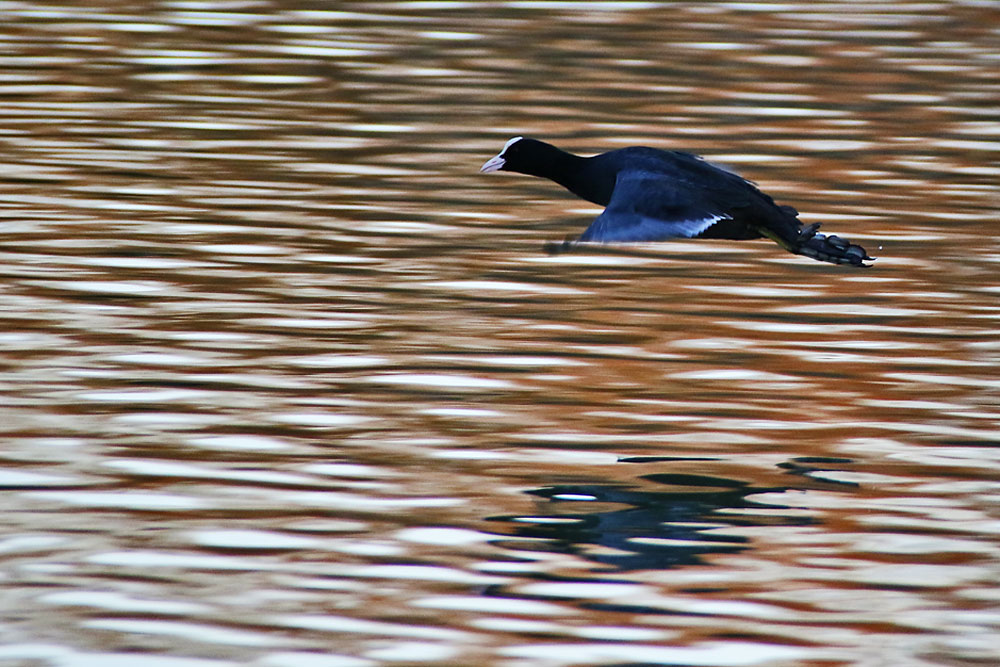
(493,164)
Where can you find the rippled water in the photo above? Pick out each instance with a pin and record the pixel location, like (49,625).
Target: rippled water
(287,382)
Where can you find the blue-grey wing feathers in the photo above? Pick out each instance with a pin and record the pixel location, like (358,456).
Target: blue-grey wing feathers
(645,206)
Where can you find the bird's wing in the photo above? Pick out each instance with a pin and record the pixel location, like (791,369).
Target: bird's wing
(646,206)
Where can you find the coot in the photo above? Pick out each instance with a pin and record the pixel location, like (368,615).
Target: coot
(652,195)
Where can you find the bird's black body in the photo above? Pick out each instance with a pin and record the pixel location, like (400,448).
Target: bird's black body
(652,195)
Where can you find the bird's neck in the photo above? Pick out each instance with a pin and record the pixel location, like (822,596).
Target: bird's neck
(564,168)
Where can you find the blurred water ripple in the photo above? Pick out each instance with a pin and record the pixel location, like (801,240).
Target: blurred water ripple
(287,383)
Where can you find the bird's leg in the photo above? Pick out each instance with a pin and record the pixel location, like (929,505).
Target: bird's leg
(810,243)
(556,247)
(791,245)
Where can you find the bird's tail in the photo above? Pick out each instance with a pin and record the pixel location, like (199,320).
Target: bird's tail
(831,248)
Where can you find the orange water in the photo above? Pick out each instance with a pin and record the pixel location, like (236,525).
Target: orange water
(287,382)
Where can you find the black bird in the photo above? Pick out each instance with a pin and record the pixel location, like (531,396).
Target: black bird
(652,195)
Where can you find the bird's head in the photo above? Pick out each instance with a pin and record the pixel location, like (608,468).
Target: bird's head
(519,154)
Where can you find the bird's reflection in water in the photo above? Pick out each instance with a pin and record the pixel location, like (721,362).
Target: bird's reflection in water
(663,521)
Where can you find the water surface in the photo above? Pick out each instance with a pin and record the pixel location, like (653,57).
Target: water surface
(286,381)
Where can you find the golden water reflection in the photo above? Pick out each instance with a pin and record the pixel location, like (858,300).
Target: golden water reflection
(286,382)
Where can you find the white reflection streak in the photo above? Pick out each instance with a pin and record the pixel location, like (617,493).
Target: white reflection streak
(349,625)
(122,603)
(494,605)
(61,656)
(131,500)
(443,381)
(730,654)
(197,632)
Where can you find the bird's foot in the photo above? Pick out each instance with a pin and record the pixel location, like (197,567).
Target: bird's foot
(808,232)
(833,249)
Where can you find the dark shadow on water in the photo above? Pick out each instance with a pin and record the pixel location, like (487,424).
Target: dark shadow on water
(662,521)
(814,467)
